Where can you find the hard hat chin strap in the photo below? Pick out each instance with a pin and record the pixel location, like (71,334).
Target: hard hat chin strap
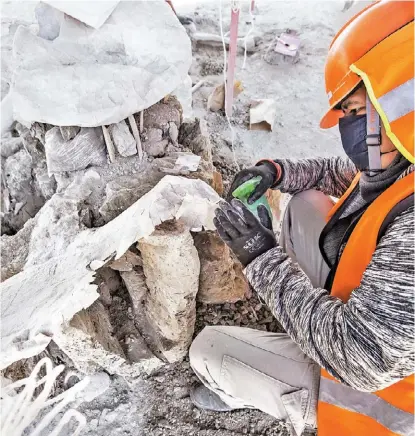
(373,138)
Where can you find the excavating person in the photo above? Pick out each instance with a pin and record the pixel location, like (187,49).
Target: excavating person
(340,280)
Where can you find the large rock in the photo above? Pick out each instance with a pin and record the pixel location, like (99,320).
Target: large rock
(57,283)
(221,278)
(86,149)
(171,266)
(123,139)
(15,249)
(91,77)
(89,356)
(23,198)
(92,13)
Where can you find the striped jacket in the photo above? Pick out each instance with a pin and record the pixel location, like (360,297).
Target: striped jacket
(368,342)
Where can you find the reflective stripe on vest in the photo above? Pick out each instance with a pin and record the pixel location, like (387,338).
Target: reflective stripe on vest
(343,411)
(367,404)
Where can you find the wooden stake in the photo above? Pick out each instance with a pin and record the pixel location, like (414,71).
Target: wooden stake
(141,121)
(230,77)
(109,144)
(198,85)
(136,135)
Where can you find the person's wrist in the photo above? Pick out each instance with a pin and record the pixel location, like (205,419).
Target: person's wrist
(274,167)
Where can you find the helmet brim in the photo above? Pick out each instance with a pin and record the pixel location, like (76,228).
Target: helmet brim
(331,118)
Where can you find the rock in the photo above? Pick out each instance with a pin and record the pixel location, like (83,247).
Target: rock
(69,132)
(30,143)
(157,149)
(155,145)
(119,69)
(38,131)
(184,95)
(173,132)
(136,348)
(123,192)
(220,279)
(216,100)
(57,283)
(123,139)
(25,199)
(10,146)
(211,67)
(60,219)
(47,184)
(274,198)
(136,286)
(171,266)
(110,278)
(86,149)
(89,356)
(98,384)
(92,14)
(153,135)
(195,136)
(161,114)
(95,322)
(217,183)
(180,392)
(15,249)
(126,262)
(135,282)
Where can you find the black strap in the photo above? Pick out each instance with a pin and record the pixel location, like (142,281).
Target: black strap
(400,207)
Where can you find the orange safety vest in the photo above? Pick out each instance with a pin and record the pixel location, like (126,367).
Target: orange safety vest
(343,411)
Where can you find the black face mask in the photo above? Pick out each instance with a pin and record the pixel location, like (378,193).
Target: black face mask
(353,135)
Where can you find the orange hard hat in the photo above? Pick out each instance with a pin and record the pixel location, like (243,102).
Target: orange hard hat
(356,38)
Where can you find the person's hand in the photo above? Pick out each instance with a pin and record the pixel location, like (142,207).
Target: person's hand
(269,176)
(247,237)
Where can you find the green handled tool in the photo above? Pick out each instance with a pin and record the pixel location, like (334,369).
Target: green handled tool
(244,191)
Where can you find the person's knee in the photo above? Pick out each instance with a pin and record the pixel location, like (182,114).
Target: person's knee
(203,354)
(310,201)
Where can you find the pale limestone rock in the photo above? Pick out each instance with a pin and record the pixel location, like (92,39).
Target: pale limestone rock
(10,146)
(69,132)
(171,266)
(87,148)
(123,139)
(56,285)
(91,77)
(183,93)
(92,13)
(221,281)
(89,356)
(25,197)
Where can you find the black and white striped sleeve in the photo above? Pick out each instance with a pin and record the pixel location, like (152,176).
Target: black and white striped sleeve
(367,343)
(329,175)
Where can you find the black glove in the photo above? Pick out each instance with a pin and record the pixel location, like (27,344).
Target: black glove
(242,232)
(268,173)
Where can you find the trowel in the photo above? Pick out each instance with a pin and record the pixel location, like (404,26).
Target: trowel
(244,191)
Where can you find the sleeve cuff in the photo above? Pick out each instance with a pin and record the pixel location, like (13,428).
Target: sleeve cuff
(278,168)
